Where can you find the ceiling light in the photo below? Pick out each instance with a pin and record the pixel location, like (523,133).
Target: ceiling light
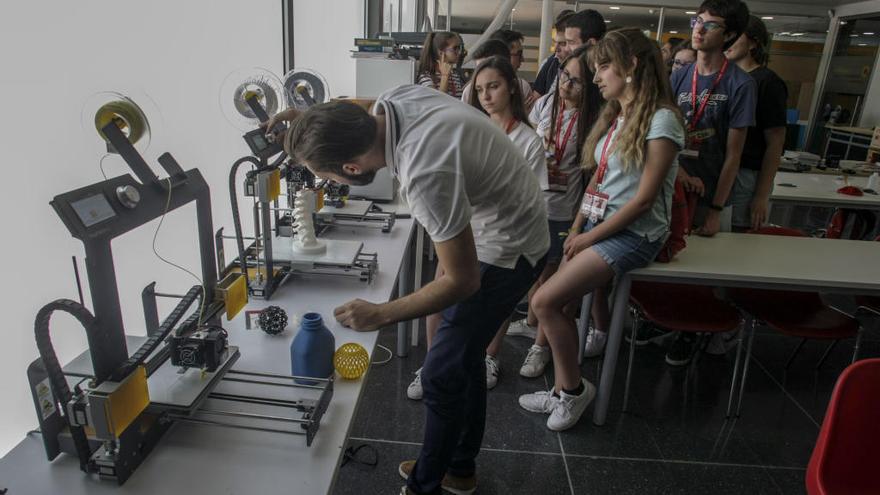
(868,34)
(673,32)
(784,34)
(614,7)
(767,17)
(797,34)
(607,21)
(843,23)
(691,12)
(853,36)
(863,44)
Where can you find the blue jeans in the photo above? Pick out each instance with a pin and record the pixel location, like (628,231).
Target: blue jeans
(454,375)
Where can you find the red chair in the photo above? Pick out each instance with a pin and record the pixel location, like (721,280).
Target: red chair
(684,308)
(846,455)
(799,314)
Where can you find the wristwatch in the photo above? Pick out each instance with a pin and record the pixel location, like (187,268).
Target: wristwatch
(716,207)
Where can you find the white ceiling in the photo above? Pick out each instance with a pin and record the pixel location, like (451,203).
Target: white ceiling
(475,15)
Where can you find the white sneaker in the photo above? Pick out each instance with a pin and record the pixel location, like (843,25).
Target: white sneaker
(521,328)
(492,371)
(569,408)
(543,401)
(595,343)
(536,361)
(414,391)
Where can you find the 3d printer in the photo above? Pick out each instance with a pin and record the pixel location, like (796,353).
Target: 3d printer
(285,237)
(108,408)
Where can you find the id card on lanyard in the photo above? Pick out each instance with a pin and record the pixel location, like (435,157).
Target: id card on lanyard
(595,203)
(695,137)
(556,178)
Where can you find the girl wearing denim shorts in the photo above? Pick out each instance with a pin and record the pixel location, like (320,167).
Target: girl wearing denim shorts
(624,216)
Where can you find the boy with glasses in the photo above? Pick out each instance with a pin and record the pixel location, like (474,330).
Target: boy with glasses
(717,99)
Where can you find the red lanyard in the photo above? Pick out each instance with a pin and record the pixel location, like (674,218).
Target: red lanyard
(559,149)
(511,125)
(698,113)
(603,159)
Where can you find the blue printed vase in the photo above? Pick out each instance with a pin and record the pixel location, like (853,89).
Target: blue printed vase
(311,352)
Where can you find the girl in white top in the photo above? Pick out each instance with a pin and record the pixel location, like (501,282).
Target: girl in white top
(625,211)
(497,94)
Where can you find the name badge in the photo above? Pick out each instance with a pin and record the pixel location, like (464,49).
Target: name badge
(593,205)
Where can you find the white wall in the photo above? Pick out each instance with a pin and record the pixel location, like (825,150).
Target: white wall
(55,53)
(324,37)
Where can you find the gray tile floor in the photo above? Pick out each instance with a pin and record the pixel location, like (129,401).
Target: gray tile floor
(673,439)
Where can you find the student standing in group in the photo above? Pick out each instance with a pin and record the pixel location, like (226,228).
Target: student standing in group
(514,41)
(562,118)
(497,95)
(545,81)
(496,48)
(717,99)
(471,189)
(668,50)
(625,212)
(584,28)
(683,54)
(438,64)
(766,139)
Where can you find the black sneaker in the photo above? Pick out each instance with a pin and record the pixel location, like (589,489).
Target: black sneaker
(644,333)
(681,351)
(522,308)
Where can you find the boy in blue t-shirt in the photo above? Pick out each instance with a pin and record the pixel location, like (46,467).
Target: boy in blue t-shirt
(718,118)
(717,121)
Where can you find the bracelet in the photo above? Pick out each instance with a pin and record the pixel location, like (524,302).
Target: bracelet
(716,207)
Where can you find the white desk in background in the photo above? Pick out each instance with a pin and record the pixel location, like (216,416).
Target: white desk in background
(807,189)
(209,460)
(748,260)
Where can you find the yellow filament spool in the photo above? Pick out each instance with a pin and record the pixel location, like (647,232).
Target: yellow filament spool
(126,115)
(351,361)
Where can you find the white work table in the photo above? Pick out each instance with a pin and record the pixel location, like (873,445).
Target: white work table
(211,460)
(820,190)
(748,260)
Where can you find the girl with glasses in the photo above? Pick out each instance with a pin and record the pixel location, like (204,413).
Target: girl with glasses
(625,211)
(439,62)
(562,118)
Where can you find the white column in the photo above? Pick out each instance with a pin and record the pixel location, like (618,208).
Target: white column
(546,26)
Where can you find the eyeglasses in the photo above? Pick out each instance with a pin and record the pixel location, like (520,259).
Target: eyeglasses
(679,63)
(698,22)
(565,78)
(456,49)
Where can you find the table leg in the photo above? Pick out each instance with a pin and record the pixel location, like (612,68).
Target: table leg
(584,324)
(403,279)
(417,278)
(612,347)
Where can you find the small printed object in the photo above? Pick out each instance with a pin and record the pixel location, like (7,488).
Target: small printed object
(273,320)
(351,361)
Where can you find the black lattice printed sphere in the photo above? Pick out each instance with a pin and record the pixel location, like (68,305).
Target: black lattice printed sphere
(273,320)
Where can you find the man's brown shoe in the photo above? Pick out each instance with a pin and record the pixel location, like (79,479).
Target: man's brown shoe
(452,484)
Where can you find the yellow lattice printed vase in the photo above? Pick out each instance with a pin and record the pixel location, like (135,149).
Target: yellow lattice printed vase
(351,361)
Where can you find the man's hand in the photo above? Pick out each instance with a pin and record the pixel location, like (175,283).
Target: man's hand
(282,116)
(760,209)
(360,315)
(711,225)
